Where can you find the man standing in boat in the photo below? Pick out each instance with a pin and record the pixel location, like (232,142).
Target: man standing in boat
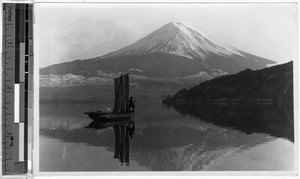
(131,104)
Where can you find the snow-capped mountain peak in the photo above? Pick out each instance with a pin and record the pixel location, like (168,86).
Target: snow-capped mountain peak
(172,51)
(177,39)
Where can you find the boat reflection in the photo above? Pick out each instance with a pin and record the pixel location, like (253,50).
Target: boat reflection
(122,131)
(167,140)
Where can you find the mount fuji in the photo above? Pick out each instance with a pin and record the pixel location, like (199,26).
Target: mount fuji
(171,53)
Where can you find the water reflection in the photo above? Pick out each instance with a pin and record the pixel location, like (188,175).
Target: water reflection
(122,131)
(247,117)
(165,139)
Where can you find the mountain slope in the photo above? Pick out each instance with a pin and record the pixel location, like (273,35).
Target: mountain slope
(177,39)
(172,51)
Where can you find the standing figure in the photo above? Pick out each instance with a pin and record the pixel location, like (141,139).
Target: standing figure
(131,104)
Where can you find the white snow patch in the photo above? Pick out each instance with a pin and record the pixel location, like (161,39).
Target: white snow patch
(136,69)
(201,74)
(71,80)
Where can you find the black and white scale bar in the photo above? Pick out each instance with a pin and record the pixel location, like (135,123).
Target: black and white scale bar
(17,87)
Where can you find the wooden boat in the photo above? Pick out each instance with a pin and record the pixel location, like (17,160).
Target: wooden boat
(121,119)
(121,109)
(99,115)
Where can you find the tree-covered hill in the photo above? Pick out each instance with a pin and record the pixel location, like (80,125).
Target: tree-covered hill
(273,83)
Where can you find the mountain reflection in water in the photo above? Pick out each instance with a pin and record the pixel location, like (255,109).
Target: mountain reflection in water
(167,139)
(247,117)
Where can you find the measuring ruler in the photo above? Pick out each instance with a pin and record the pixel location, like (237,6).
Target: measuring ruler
(17,88)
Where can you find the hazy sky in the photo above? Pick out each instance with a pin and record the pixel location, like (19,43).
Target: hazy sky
(68,32)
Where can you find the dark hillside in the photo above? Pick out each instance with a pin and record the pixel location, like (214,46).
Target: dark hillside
(274,83)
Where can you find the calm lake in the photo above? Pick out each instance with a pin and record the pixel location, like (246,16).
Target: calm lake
(217,137)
